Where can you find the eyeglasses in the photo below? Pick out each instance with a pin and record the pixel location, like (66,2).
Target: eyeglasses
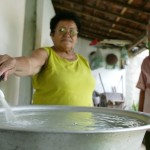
(63,31)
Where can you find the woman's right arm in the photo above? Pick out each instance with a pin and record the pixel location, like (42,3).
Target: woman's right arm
(23,66)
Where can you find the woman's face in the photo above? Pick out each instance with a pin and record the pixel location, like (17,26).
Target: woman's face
(65,35)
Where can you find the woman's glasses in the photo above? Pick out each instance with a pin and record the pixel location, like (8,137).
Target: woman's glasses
(63,31)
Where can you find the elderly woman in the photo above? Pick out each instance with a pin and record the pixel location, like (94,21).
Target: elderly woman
(60,76)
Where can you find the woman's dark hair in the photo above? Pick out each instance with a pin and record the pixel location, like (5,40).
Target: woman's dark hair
(64,15)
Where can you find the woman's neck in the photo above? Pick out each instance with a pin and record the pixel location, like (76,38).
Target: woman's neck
(63,50)
(68,54)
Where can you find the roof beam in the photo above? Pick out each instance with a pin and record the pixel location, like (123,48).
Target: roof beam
(138,41)
(129,6)
(133,20)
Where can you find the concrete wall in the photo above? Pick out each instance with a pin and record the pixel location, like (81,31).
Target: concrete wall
(11,37)
(132,76)
(45,12)
(25,87)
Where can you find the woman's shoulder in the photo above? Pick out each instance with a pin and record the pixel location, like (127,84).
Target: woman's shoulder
(83,59)
(47,49)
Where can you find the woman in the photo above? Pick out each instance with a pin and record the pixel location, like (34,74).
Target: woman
(60,76)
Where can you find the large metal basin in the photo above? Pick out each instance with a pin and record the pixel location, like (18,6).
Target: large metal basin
(67,137)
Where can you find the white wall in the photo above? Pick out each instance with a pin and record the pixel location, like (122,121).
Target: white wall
(107,79)
(82,47)
(45,12)
(25,87)
(11,37)
(132,76)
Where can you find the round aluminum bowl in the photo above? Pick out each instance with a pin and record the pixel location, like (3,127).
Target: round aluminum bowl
(80,134)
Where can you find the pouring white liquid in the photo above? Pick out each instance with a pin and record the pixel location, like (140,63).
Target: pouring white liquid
(8,112)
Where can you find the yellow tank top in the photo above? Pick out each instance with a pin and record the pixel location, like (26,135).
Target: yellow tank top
(63,82)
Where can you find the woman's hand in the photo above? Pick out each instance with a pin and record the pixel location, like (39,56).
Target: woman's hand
(7,66)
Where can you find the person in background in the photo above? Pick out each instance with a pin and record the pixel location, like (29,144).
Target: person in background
(144,85)
(60,76)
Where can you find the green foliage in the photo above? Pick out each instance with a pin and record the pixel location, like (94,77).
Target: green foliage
(135,106)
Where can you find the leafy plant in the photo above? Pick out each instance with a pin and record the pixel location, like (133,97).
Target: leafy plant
(135,106)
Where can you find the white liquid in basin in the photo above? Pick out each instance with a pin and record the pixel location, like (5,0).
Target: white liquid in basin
(63,121)
(67,121)
(9,116)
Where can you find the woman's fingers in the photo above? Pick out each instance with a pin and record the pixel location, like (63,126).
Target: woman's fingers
(7,65)
(5,76)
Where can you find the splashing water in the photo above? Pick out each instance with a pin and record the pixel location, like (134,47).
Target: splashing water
(9,115)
